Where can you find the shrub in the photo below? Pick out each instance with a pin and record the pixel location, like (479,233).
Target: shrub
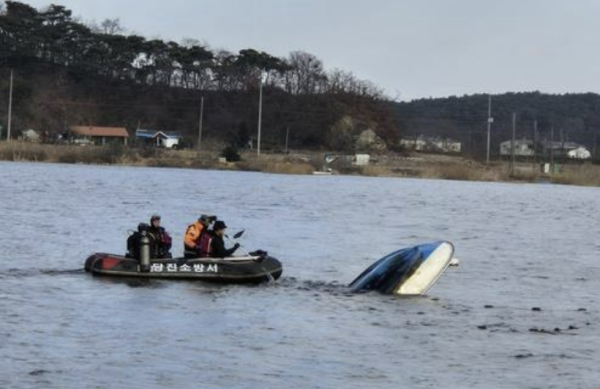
(230,153)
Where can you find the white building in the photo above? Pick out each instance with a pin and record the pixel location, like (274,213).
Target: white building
(571,150)
(361,159)
(526,148)
(416,143)
(30,135)
(523,148)
(168,141)
(430,143)
(579,153)
(159,138)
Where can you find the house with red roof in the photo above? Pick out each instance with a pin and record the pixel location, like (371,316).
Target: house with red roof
(98,135)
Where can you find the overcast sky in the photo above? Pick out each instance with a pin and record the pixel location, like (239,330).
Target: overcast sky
(411,48)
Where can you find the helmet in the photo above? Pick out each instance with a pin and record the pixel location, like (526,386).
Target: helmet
(219,225)
(207,219)
(154,217)
(142,227)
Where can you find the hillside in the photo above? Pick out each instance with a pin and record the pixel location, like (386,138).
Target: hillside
(71,73)
(67,72)
(574,117)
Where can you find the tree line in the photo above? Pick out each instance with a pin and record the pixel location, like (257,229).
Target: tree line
(68,72)
(71,72)
(572,117)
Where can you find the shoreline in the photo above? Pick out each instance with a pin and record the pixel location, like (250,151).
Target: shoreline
(431,166)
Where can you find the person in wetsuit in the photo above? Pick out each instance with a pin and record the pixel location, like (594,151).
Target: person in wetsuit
(160,240)
(133,242)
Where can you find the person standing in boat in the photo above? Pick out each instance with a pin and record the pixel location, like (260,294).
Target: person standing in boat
(160,240)
(212,244)
(193,234)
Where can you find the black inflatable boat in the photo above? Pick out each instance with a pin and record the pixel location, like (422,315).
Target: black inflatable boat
(247,269)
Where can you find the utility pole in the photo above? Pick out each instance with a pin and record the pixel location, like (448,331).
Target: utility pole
(562,147)
(260,101)
(200,122)
(287,137)
(490,120)
(535,135)
(512,144)
(552,149)
(10,98)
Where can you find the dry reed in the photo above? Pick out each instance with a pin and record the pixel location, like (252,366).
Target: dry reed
(584,175)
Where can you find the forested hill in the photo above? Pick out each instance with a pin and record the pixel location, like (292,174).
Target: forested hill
(67,72)
(574,117)
(71,73)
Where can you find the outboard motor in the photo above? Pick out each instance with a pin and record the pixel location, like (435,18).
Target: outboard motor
(144,252)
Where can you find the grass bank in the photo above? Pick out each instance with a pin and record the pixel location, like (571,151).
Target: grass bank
(582,175)
(462,169)
(127,156)
(419,166)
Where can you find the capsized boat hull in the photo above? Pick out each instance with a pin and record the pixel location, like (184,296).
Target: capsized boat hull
(410,271)
(250,269)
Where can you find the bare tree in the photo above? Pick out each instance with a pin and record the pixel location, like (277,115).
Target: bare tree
(305,74)
(111,26)
(340,81)
(193,42)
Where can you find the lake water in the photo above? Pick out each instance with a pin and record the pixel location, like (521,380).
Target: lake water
(521,246)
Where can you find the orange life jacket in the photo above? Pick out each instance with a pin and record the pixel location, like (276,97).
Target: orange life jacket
(192,235)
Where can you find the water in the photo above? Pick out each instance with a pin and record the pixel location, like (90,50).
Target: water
(521,247)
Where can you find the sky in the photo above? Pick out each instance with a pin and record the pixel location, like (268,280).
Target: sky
(410,48)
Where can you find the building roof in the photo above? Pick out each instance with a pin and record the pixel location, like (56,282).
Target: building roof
(141,133)
(110,132)
(151,134)
(429,138)
(562,145)
(165,135)
(523,141)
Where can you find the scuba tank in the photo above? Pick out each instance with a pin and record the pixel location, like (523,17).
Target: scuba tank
(144,252)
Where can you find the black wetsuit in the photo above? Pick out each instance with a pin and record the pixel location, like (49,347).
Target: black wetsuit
(133,246)
(218,248)
(160,243)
